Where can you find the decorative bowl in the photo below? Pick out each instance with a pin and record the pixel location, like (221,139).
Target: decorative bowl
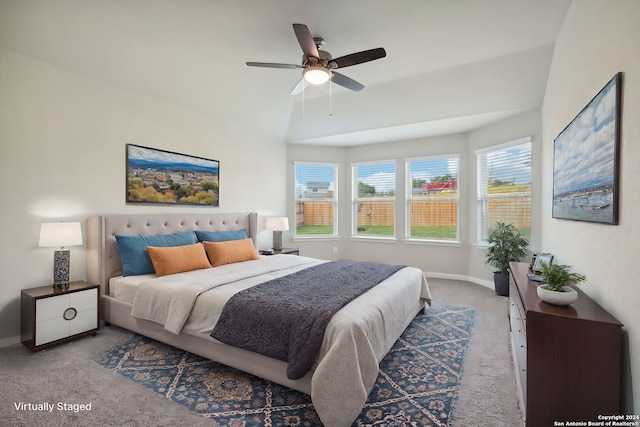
(557,298)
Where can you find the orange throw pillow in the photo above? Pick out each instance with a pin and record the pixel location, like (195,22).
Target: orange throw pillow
(177,259)
(221,253)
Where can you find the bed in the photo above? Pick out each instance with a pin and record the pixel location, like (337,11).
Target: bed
(356,338)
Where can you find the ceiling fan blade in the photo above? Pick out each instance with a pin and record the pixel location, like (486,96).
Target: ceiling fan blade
(305,39)
(273,65)
(359,57)
(298,88)
(345,81)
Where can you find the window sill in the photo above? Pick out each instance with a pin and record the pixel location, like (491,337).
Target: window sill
(314,238)
(374,239)
(427,242)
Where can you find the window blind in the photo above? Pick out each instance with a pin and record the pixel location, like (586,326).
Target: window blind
(316,199)
(432,197)
(374,199)
(504,187)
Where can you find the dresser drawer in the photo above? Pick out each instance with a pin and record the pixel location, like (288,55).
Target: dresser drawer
(517,321)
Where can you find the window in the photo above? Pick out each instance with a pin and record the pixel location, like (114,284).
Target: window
(432,198)
(504,187)
(316,199)
(374,199)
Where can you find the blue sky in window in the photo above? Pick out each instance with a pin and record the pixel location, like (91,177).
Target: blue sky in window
(382,176)
(313,173)
(427,169)
(511,164)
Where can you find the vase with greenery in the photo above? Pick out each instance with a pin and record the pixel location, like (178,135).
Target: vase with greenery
(556,279)
(557,276)
(506,245)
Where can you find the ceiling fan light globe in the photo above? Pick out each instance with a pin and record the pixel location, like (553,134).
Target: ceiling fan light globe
(316,75)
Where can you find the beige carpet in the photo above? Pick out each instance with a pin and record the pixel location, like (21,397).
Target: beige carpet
(488,395)
(68,374)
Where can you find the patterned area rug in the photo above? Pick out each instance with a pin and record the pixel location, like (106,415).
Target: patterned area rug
(416,385)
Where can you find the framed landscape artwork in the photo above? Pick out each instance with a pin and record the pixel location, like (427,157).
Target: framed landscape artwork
(158,176)
(585,160)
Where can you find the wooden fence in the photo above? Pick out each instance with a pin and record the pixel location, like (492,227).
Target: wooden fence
(314,213)
(510,210)
(428,213)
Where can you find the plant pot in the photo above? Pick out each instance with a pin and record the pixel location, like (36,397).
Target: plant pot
(501,282)
(557,298)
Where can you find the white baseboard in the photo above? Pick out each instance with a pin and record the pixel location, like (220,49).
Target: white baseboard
(477,281)
(6,342)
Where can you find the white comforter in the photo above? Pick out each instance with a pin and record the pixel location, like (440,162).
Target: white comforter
(356,338)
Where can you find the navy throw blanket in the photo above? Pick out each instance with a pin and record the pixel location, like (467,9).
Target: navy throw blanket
(285,318)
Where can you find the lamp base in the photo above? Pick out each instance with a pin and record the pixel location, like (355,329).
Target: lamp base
(61,262)
(277,240)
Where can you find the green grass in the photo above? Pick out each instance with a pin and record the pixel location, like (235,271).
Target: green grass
(526,232)
(434,232)
(418,232)
(376,230)
(314,229)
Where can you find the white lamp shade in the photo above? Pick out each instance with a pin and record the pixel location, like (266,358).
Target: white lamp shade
(277,223)
(60,234)
(316,75)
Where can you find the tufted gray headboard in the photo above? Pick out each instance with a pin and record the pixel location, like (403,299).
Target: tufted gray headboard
(103,258)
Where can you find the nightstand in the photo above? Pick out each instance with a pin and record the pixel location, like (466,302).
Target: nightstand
(51,316)
(286,251)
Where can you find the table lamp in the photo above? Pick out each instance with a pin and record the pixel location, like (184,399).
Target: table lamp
(277,225)
(60,234)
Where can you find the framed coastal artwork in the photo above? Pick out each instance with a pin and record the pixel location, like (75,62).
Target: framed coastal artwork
(164,177)
(586,158)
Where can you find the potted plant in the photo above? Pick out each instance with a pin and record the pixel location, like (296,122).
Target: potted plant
(506,245)
(556,279)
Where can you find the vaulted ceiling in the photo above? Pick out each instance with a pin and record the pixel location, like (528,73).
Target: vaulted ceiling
(451,66)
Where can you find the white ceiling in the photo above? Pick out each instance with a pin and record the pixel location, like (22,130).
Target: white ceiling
(451,66)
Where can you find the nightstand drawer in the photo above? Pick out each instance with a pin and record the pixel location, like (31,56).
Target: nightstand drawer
(65,315)
(54,307)
(51,308)
(52,316)
(58,328)
(84,321)
(51,330)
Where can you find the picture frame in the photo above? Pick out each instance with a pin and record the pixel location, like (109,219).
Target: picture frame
(586,160)
(157,176)
(541,258)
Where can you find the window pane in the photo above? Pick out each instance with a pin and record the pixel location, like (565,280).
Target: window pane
(316,199)
(432,198)
(374,190)
(504,191)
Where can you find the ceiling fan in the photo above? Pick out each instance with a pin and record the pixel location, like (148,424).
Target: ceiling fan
(318,65)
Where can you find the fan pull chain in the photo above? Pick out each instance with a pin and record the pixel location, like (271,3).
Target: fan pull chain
(303,87)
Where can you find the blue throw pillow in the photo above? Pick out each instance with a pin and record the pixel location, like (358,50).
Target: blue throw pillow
(221,236)
(133,250)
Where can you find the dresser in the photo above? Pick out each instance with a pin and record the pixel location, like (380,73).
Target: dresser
(51,316)
(567,358)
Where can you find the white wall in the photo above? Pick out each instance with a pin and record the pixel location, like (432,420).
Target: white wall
(62,140)
(597,40)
